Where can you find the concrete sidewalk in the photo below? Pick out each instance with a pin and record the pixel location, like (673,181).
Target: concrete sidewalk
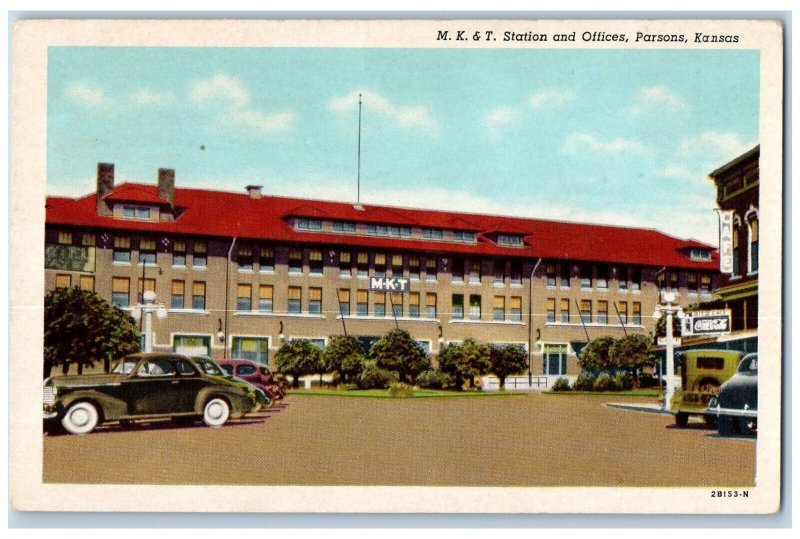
(639,407)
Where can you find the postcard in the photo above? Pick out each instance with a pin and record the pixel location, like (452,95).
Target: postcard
(444,266)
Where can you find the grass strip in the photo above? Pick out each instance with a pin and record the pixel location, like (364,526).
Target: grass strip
(384,394)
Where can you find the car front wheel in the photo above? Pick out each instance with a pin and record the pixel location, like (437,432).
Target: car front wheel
(216,412)
(81,418)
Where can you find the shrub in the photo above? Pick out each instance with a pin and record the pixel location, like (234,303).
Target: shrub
(584,382)
(431,379)
(399,389)
(561,384)
(604,382)
(373,377)
(623,381)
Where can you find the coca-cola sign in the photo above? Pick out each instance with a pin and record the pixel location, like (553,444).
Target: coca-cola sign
(707,323)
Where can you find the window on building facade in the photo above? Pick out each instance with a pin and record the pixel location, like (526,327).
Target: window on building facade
(623,312)
(432,234)
(515,308)
(413,268)
(430,305)
(63,280)
(474,307)
(64,237)
(551,310)
(244,295)
(622,282)
(265,298)
(146,285)
(303,223)
(564,275)
(550,272)
(86,282)
(509,241)
(458,268)
(245,258)
(380,304)
(661,280)
(564,311)
(315,300)
(636,315)
(345,265)
(431,270)
(88,240)
(753,255)
(192,344)
(585,273)
(199,254)
(362,265)
(475,271)
(691,283)
(344,227)
(586,311)
(554,360)
(121,291)
(636,279)
(252,348)
(362,302)
(499,309)
(294,301)
(147,250)
(673,281)
(315,261)
(515,277)
(602,276)
(499,272)
(705,284)
(266,260)
(397,266)
(199,295)
(413,304)
(122,249)
(700,254)
(179,253)
(458,306)
(344,301)
(178,295)
(396,299)
(295,261)
(736,250)
(379,265)
(136,212)
(602,312)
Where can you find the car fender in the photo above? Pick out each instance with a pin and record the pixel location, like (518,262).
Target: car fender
(110,408)
(237,399)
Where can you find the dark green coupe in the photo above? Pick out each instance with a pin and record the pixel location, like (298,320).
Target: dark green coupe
(145,386)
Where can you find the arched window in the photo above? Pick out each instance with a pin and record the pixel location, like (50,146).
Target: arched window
(752,255)
(735,241)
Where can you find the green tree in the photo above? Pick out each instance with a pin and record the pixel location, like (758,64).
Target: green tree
(82,329)
(506,360)
(465,361)
(397,351)
(343,355)
(631,353)
(298,358)
(595,356)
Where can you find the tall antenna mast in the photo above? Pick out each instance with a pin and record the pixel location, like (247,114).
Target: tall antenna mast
(358,176)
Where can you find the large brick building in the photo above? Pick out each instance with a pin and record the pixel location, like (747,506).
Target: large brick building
(241,273)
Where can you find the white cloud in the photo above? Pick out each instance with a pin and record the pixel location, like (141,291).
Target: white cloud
(549,97)
(499,117)
(147,97)
(404,116)
(714,148)
(88,95)
(585,142)
(232,94)
(679,172)
(658,97)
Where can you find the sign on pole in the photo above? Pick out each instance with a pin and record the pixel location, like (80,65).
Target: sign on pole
(707,323)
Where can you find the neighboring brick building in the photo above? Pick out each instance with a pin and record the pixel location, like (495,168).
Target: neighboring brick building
(737,190)
(242,273)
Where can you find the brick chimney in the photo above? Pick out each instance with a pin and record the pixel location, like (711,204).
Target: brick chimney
(254,191)
(105,184)
(166,185)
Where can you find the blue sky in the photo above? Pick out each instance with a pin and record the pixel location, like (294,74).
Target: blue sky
(610,136)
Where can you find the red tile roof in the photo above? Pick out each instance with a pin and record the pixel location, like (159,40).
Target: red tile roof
(131,192)
(226,214)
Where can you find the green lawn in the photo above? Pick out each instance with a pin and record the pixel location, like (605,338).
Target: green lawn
(632,393)
(384,393)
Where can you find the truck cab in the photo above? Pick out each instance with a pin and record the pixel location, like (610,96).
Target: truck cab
(702,374)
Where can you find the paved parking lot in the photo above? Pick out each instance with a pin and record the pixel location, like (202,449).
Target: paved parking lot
(529,440)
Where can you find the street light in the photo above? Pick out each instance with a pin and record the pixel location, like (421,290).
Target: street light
(147,308)
(669,309)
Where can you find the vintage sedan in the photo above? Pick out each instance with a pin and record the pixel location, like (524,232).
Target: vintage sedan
(736,406)
(144,386)
(254,373)
(208,366)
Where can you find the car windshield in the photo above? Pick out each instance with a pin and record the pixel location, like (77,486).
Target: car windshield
(228,369)
(124,366)
(209,367)
(749,365)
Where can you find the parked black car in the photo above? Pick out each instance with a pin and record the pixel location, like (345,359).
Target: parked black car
(736,406)
(144,386)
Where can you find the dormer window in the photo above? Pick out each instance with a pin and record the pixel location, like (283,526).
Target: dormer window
(700,254)
(344,227)
(136,212)
(432,234)
(461,236)
(304,223)
(509,241)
